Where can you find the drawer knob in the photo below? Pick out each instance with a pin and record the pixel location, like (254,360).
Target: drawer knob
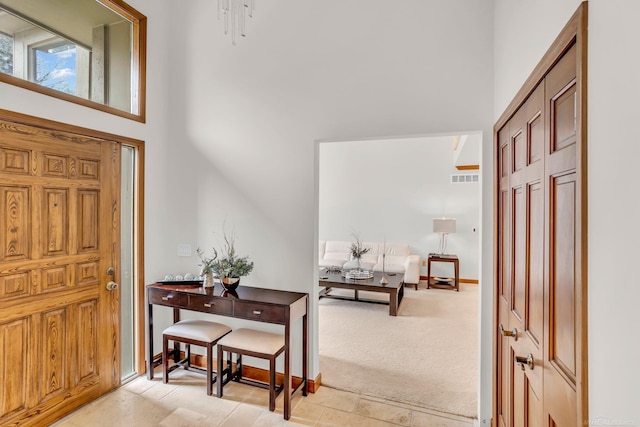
(167,298)
(208,304)
(258,312)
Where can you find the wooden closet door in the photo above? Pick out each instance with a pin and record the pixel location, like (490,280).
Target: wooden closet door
(59,227)
(540,354)
(564,288)
(521,287)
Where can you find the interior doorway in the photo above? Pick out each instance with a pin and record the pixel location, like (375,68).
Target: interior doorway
(389,189)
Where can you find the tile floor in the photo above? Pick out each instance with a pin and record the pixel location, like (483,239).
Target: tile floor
(184,403)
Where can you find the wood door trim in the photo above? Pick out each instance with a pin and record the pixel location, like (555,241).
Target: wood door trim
(574,32)
(25,119)
(138,219)
(582,224)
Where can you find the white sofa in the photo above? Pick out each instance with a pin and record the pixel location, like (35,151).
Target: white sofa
(398,259)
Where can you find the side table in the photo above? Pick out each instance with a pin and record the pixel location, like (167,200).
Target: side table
(432,282)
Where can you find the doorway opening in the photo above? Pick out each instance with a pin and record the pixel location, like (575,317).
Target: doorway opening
(389,190)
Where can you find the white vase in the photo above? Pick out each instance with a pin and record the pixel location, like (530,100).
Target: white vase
(208,280)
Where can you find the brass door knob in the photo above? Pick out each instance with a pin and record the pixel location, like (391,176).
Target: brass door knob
(512,333)
(528,360)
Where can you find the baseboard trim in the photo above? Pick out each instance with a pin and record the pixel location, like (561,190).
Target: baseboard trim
(462,280)
(256,374)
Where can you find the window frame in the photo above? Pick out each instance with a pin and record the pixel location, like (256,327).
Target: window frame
(138,69)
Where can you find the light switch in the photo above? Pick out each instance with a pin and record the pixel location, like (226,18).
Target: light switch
(184,249)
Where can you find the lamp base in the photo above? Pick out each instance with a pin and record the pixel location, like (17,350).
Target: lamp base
(443,244)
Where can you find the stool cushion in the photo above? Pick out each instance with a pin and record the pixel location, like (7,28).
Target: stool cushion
(197,330)
(252,340)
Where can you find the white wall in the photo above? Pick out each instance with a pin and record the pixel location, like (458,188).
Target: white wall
(316,70)
(390,190)
(612,162)
(231,131)
(523,31)
(614,88)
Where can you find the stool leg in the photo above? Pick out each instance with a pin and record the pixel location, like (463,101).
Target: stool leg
(272,384)
(220,382)
(165,359)
(176,351)
(188,356)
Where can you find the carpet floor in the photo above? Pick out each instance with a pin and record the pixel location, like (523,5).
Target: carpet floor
(427,356)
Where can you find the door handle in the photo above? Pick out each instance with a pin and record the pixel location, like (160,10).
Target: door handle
(112,286)
(528,360)
(512,333)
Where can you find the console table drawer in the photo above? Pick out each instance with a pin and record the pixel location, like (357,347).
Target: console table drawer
(170,298)
(260,312)
(210,304)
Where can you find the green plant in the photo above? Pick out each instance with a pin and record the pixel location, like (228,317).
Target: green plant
(357,250)
(225,263)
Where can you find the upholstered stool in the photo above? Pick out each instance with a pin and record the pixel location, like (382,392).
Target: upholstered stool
(249,342)
(197,332)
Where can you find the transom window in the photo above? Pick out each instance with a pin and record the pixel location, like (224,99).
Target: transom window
(84,51)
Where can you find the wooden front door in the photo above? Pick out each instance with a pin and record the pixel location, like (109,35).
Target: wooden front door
(59,233)
(540,289)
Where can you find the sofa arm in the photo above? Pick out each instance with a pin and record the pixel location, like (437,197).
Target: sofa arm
(412,269)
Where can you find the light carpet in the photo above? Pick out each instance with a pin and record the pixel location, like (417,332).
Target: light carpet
(427,356)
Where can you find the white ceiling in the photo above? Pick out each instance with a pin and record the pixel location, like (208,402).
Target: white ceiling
(73,19)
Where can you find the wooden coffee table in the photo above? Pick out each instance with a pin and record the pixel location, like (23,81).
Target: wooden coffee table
(395,288)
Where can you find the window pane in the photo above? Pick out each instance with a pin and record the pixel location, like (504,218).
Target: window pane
(55,66)
(6,54)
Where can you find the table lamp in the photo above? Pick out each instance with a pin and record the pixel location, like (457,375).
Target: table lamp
(444,226)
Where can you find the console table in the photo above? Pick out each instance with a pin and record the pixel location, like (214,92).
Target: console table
(432,282)
(257,304)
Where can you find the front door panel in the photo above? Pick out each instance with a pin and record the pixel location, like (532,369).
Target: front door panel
(58,228)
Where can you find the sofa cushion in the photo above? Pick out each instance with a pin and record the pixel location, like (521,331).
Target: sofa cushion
(392,264)
(333,253)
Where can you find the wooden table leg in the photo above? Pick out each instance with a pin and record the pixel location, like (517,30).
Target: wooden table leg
(393,303)
(305,353)
(150,339)
(456,267)
(287,371)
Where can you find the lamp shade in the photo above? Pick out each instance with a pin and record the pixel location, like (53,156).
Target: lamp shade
(444,225)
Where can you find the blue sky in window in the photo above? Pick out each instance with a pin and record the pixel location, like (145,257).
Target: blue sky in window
(60,67)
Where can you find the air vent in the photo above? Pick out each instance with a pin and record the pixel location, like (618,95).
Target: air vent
(466,178)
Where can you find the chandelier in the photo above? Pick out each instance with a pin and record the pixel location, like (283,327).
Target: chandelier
(234,12)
